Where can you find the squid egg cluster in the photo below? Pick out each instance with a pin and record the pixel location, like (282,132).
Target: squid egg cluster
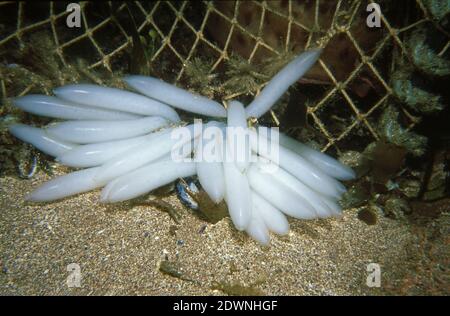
(125,142)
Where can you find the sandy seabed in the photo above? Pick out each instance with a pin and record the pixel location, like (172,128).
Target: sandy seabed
(119,248)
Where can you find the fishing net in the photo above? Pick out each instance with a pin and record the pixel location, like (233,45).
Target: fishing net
(195,44)
(371,84)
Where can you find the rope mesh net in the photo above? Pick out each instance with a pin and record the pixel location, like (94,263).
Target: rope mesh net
(179,35)
(231,49)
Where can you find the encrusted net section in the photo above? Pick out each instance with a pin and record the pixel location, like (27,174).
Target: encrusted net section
(345,93)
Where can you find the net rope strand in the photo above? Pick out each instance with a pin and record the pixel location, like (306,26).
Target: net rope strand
(92,30)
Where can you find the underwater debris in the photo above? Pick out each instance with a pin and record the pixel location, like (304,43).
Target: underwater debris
(199,77)
(36,63)
(382,181)
(18,158)
(198,200)
(387,159)
(426,210)
(292,110)
(368,216)
(18,78)
(246,77)
(237,289)
(438,9)
(152,44)
(242,76)
(141,50)
(358,195)
(424,57)
(409,187)
(396,208)
(414,97)
(162,206)
(391,131)
(165,190)
(37,68)
(358,161)
(26,168)
(437,185)
(389,187)
(172,269)
(173,230)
